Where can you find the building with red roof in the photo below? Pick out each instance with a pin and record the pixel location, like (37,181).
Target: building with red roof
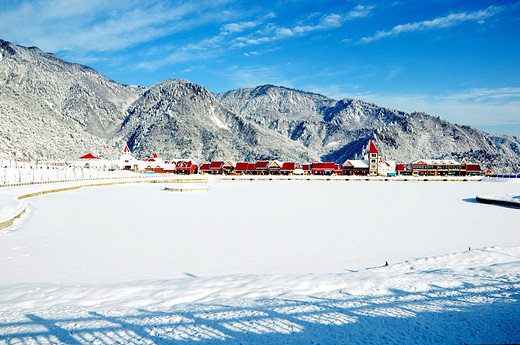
(240,168)
(473,169)
(262,167)
(373,160)
(89,156)
(186,167)
(403,169)
(128,162)
(251,169)
(288,168)
(204,169)
(325,168)
(91,161)
(228,168)
(216,167)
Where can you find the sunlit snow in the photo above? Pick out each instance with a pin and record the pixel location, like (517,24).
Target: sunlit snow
(264,262)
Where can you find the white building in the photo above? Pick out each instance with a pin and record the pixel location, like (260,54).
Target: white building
(128,162)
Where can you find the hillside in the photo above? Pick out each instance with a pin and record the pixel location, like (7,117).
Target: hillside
(177,118)
(50,108)
(53,109)
(339,130)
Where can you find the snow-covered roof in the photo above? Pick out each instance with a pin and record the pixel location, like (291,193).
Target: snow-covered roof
(382,162)
(357,163)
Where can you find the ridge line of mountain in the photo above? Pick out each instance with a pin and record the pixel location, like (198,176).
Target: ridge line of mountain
(51,108)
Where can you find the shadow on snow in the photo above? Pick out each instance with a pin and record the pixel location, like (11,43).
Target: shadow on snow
(470,313)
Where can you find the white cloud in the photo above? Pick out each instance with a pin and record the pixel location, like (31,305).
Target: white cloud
(359,11)
(237,27)
(272,32)
(98,25)
(437,23)
(474,107)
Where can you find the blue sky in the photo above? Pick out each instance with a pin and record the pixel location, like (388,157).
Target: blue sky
(459,60)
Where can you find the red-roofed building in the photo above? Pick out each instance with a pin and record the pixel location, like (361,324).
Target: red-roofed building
(403,169)
(262,167)
(288,168)
(306,169)
(251,169)
(154,165)
(91,161)
(216,167)
(128,162)
(186,167)
(325,168)
(241,168)
(204,168)
(372,148)
(228,168)
(373,159)
(473,169)
(89,156)
(274,168)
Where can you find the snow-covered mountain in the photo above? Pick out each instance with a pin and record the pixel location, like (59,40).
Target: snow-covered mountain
(339,130)
(50,108)
(177,118)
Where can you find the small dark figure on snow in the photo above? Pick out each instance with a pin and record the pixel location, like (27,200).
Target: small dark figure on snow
(386,263)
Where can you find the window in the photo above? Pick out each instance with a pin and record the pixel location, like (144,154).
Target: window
(373,155)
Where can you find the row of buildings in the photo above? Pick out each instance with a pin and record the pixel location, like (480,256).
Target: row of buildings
(372,165)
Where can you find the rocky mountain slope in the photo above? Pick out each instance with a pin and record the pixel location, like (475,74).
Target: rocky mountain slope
(180,119)
(339,130)
(50,108)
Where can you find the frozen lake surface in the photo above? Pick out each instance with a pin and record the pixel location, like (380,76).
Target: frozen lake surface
(264,262)
(140,232)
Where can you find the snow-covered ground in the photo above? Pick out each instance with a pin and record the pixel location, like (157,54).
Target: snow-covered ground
(296,262)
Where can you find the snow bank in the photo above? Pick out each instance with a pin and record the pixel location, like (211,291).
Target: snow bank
(468,297)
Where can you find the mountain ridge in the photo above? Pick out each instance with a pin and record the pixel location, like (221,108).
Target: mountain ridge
(51,108)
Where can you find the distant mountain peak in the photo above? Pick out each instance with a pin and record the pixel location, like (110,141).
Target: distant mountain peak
(50,108)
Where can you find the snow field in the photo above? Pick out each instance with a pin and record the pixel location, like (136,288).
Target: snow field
(264,262)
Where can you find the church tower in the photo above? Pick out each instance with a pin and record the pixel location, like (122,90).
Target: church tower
(373,160)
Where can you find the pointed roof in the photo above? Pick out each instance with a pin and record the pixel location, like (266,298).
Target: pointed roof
(89,156)
(126,149)
(372,148)
(155,155)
